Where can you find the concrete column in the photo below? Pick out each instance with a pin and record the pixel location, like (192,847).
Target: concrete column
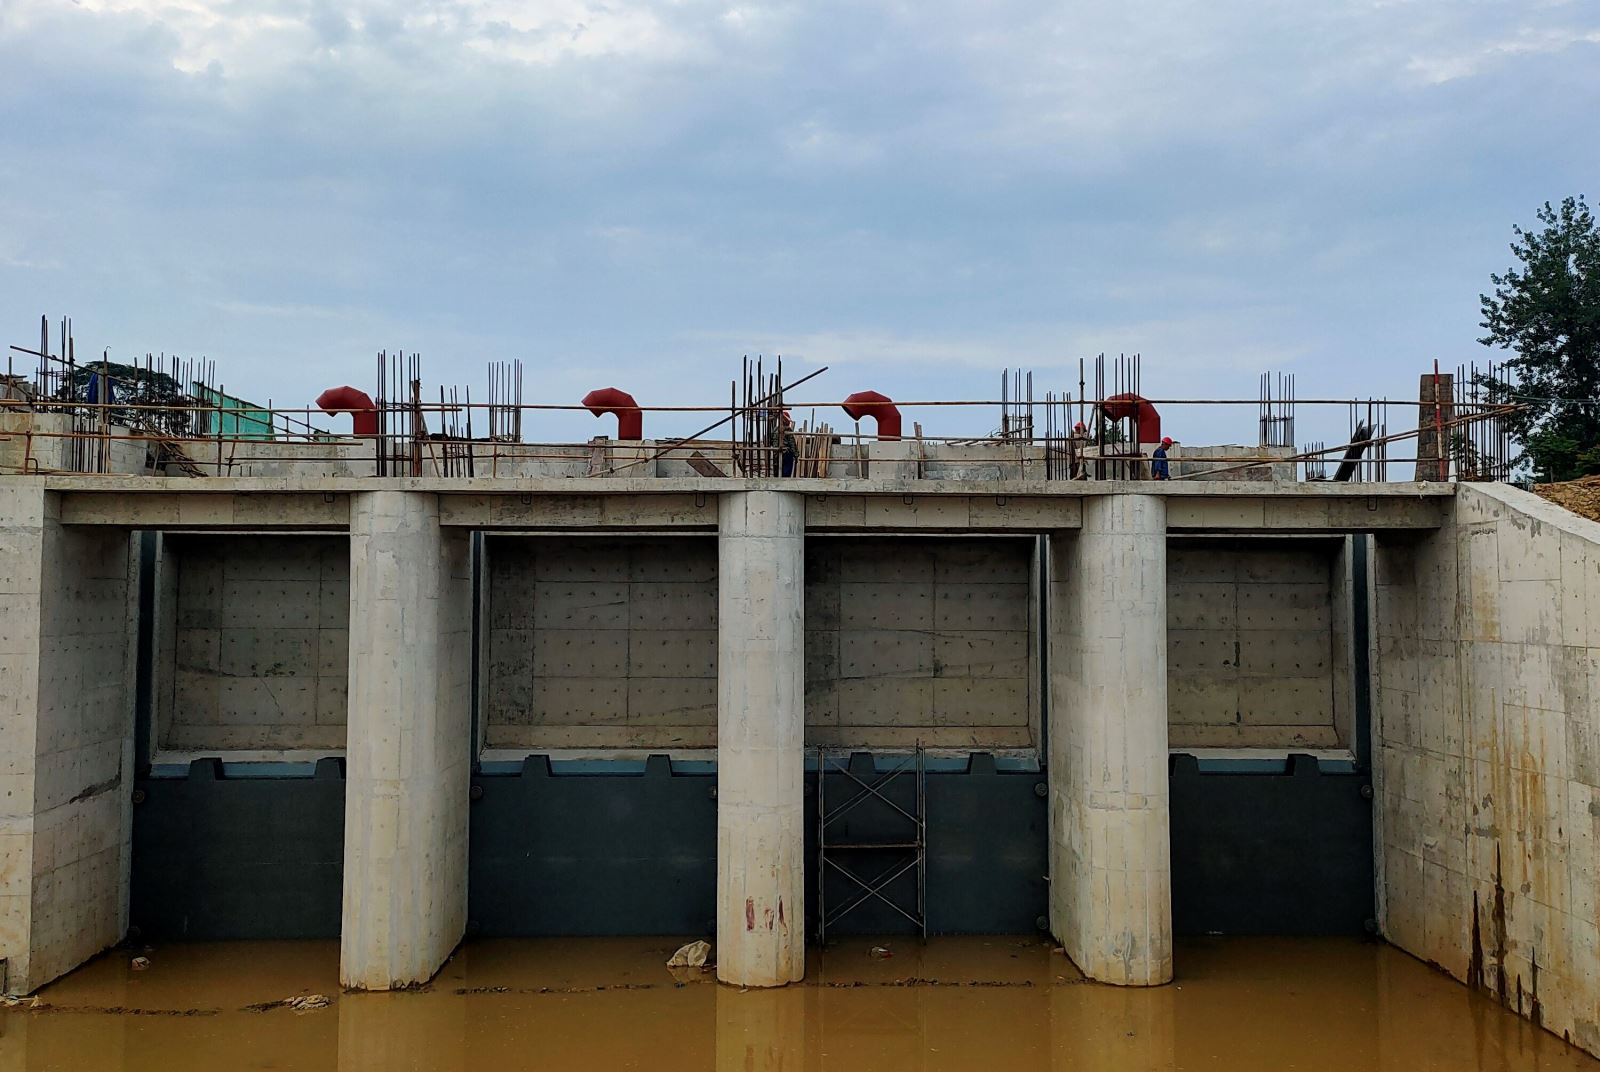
(1110,871)
(761,739)
(409,761)
(66,738)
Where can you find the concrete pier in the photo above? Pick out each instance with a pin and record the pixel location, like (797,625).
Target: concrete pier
(1110,885)
(409,768)
(66,739)
(761,739)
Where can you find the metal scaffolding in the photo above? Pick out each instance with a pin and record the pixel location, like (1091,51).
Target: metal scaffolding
(893,857)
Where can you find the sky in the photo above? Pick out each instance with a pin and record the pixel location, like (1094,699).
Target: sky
(915,195)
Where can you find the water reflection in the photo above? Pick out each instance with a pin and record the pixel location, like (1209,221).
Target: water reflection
(952,1005)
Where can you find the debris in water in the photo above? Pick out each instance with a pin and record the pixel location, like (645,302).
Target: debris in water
(882,952)
(11,1001)
(693,955)
(299,1003)
(140,963)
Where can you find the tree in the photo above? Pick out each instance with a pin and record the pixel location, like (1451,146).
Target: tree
(1548,313)
(134,387)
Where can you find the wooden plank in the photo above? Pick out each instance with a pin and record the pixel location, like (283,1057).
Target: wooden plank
(703,465)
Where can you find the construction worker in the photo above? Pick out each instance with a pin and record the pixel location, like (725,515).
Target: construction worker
(1158,461)
(784,439)
(1076,449)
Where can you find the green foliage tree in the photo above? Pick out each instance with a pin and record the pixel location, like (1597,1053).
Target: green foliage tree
(1547,311)
(134,387)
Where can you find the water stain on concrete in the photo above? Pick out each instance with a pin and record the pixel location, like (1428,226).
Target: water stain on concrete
(603,1003)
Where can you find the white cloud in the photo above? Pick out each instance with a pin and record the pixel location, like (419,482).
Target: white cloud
(1207,343)
(250,38)
(909,191)
(1087,88)
(1438,67)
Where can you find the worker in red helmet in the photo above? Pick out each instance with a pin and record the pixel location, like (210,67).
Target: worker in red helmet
(1158,461)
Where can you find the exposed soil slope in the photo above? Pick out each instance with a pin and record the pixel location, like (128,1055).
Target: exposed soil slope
(1581,496)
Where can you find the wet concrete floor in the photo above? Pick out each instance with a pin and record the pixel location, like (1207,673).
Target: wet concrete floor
(609,1003)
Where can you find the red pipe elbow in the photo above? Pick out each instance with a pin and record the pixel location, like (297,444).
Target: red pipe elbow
(1148,421)
(878,406)
(630,421)
(363,411)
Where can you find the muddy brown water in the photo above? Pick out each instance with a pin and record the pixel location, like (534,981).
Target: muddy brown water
(956,1004)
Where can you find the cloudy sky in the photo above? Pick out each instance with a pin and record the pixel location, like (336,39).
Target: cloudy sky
(915,194)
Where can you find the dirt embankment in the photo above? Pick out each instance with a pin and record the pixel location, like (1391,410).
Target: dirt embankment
(1581,496)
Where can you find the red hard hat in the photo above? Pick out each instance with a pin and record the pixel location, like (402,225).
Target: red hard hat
(1166,441)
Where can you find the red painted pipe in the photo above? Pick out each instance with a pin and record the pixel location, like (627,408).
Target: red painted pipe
(878,406)
(363,411)
(1148,421)
(630,421)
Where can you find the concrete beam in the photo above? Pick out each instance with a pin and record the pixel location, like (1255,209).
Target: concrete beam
(916,512)
(843,504)
(1110,884)
(761,739)
(1304,513)
(409,762)
(207,510)
(611,512)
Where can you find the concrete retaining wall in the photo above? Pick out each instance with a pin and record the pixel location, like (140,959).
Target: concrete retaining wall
(926,638)
(1488,667)
(612,642)
(252,642)
(1257,644)
(597,642)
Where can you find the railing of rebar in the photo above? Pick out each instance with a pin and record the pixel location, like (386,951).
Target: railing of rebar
(1276,419)
(177,407)
(431,438)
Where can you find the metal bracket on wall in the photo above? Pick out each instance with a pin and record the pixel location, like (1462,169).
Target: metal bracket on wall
(847,858)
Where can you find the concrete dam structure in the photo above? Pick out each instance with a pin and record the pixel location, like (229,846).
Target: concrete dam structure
(386,708)
(914,689)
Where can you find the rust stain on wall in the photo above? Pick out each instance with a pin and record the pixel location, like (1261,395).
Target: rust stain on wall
(1497,919)
(1475,967)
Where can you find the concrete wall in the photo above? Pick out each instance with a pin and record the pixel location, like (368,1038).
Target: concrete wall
(1257,643)
(278,458)
(32,442)
(66,738)
(1227,462)
(253,642)
(1488,752)
(595,641)
(928,638)
(345,456)
(600,642)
